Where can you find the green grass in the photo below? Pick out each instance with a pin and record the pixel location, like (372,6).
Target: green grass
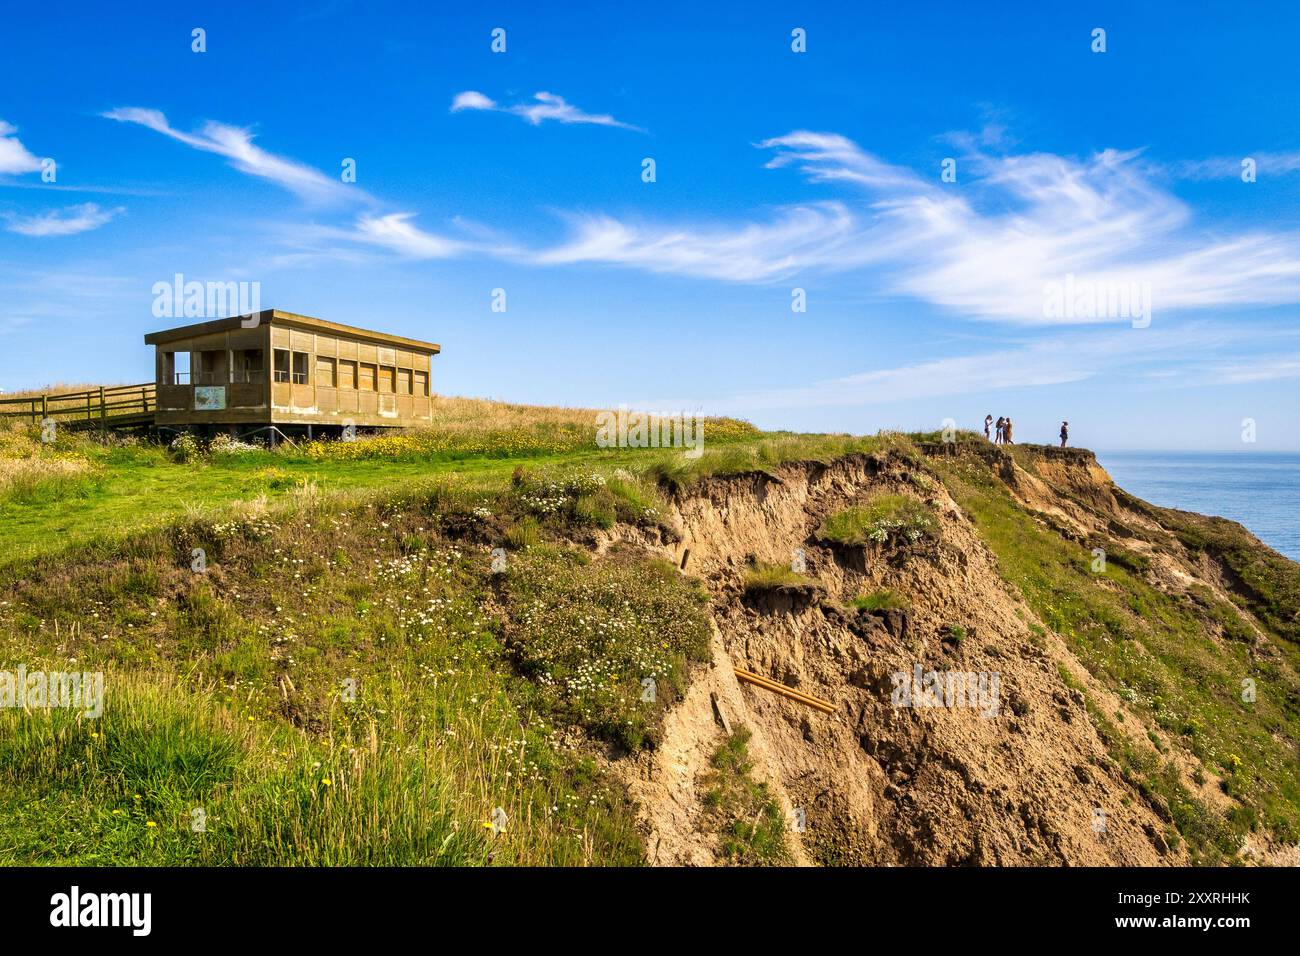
(1268,584)
(769,450)
(172,776)
(589,499)
(883,599)
(225,690)
(749,823)
(885,519)
(766,577)
(140,486)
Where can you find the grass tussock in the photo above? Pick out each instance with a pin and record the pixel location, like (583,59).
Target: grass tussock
(761,577)
(883,599)
(588,499)
(749,823)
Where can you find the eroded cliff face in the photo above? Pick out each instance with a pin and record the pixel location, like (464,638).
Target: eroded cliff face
(1018,775)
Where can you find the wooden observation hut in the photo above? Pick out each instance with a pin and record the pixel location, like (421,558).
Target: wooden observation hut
(291,372)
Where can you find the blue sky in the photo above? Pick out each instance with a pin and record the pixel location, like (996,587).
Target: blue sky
(775,170)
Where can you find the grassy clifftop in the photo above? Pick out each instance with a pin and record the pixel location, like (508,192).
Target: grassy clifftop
(420,650)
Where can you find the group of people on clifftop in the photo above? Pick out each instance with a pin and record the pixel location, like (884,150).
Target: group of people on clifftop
(1004,431)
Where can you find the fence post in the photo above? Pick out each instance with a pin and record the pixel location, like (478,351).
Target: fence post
(103,414)
(45,408)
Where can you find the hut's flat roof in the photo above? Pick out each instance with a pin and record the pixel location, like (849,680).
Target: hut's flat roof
(279,317)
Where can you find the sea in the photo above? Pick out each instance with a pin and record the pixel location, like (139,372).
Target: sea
(1261,490)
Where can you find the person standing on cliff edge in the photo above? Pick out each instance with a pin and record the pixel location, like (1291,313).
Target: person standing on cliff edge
(1006,433)
(988,420)
(1002,424)
(1065,433)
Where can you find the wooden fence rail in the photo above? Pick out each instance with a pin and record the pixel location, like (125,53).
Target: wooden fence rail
(106,405)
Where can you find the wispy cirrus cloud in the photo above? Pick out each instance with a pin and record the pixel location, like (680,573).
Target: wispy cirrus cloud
(1230,167)
(14,156)
(545,106)
(62,222)
(1264,369)
(809,236)
(986,249)
(399,234)
(236,144)
(1179,355)
(832,158)
(396,234)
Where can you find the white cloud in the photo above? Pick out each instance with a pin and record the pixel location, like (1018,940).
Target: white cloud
(472,100)
(236,145)
(546,106)
(987,247)
(798,237)
(14,157)
(396,232)
(62,222)
(829,157)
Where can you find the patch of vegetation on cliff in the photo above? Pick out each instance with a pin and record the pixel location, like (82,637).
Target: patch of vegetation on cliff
(588,499)
(608,642)
(1262,581)
(750,826)
(761,577)
(883,599)
(1162,654)
(678,472)
(884,519)
(1212,838)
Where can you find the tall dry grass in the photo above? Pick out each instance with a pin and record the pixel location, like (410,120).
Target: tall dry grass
(59,388)
(31,470)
